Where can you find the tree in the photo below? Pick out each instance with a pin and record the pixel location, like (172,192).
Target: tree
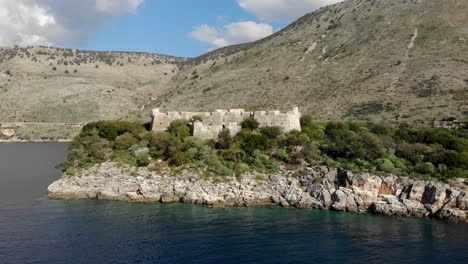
(179,129)
(271,132)
(224,139)
(125,141)
(306,121)
(295,139)
(162,144)
(250,123)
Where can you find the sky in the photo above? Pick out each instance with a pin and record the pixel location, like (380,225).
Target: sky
(185,28)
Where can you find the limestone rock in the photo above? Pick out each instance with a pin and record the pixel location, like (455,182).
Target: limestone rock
(415,209)
(416,191)
(363,199)
(454,215)
(462,201)
(389,205)
(343,200)
(396,196)
(367,183)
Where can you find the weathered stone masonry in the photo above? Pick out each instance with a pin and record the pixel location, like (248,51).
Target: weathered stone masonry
(214,122)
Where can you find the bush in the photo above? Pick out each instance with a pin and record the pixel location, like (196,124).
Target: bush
(271,132)
(143,159)
(386,165)
(306,121)
(295,139)
(110,130)
(313,134)
(234,154)
(160,144)
(424,168)
(179,158)
(282,155)
(250,141)
(224,139)
(125,141)
(179,129)
(250,123)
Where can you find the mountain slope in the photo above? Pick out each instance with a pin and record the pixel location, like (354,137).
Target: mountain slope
(360,59)
(51,85)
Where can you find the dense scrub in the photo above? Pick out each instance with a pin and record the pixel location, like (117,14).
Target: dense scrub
(417,152)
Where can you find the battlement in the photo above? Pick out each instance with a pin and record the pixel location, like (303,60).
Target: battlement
(214,122)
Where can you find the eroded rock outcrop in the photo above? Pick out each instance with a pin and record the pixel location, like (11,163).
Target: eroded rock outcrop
(320,188)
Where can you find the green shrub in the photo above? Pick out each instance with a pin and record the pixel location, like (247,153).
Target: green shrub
(295,139)
(180,158)
(314,134)
(386,165)
(259,178)
(250,141)
(160,144)
(306,121)
(125,141)
(224,139)
(282,155)
(250,123)
(272,132)
(234,154)
(110,130)
(261,161)
(71,171)
(124,157)
(424,168)
(179,129)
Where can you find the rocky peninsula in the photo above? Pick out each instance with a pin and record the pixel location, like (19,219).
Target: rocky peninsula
(319,188)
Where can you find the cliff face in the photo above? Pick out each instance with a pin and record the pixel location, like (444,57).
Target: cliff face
(319,188)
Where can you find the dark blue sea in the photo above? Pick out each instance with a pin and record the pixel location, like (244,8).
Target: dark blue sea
(35,229)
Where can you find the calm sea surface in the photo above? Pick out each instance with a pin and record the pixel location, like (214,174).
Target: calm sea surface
(34,229)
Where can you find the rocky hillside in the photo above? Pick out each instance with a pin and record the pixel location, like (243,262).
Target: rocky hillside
(360,59)
(52,85)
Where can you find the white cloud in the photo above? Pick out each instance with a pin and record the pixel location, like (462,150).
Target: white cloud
(56,22)
(282,10)
(234,33)
(207,34)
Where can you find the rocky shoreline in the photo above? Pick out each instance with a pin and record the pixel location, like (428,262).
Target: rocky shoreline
(318,188)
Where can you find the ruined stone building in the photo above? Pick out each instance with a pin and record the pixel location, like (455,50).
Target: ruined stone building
(214,122)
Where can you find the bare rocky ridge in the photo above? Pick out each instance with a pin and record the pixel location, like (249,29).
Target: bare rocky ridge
(319,188)
(53,85)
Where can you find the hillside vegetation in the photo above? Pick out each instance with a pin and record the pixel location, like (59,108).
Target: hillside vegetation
(51,85)
(438,154)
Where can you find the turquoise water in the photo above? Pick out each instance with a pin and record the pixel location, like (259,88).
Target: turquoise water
(34,229)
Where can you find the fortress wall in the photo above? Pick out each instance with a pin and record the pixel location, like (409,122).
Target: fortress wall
(161,121)
(215,122)
(289,121)
(203,131)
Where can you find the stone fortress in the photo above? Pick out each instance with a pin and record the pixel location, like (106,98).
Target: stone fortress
(212,123)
